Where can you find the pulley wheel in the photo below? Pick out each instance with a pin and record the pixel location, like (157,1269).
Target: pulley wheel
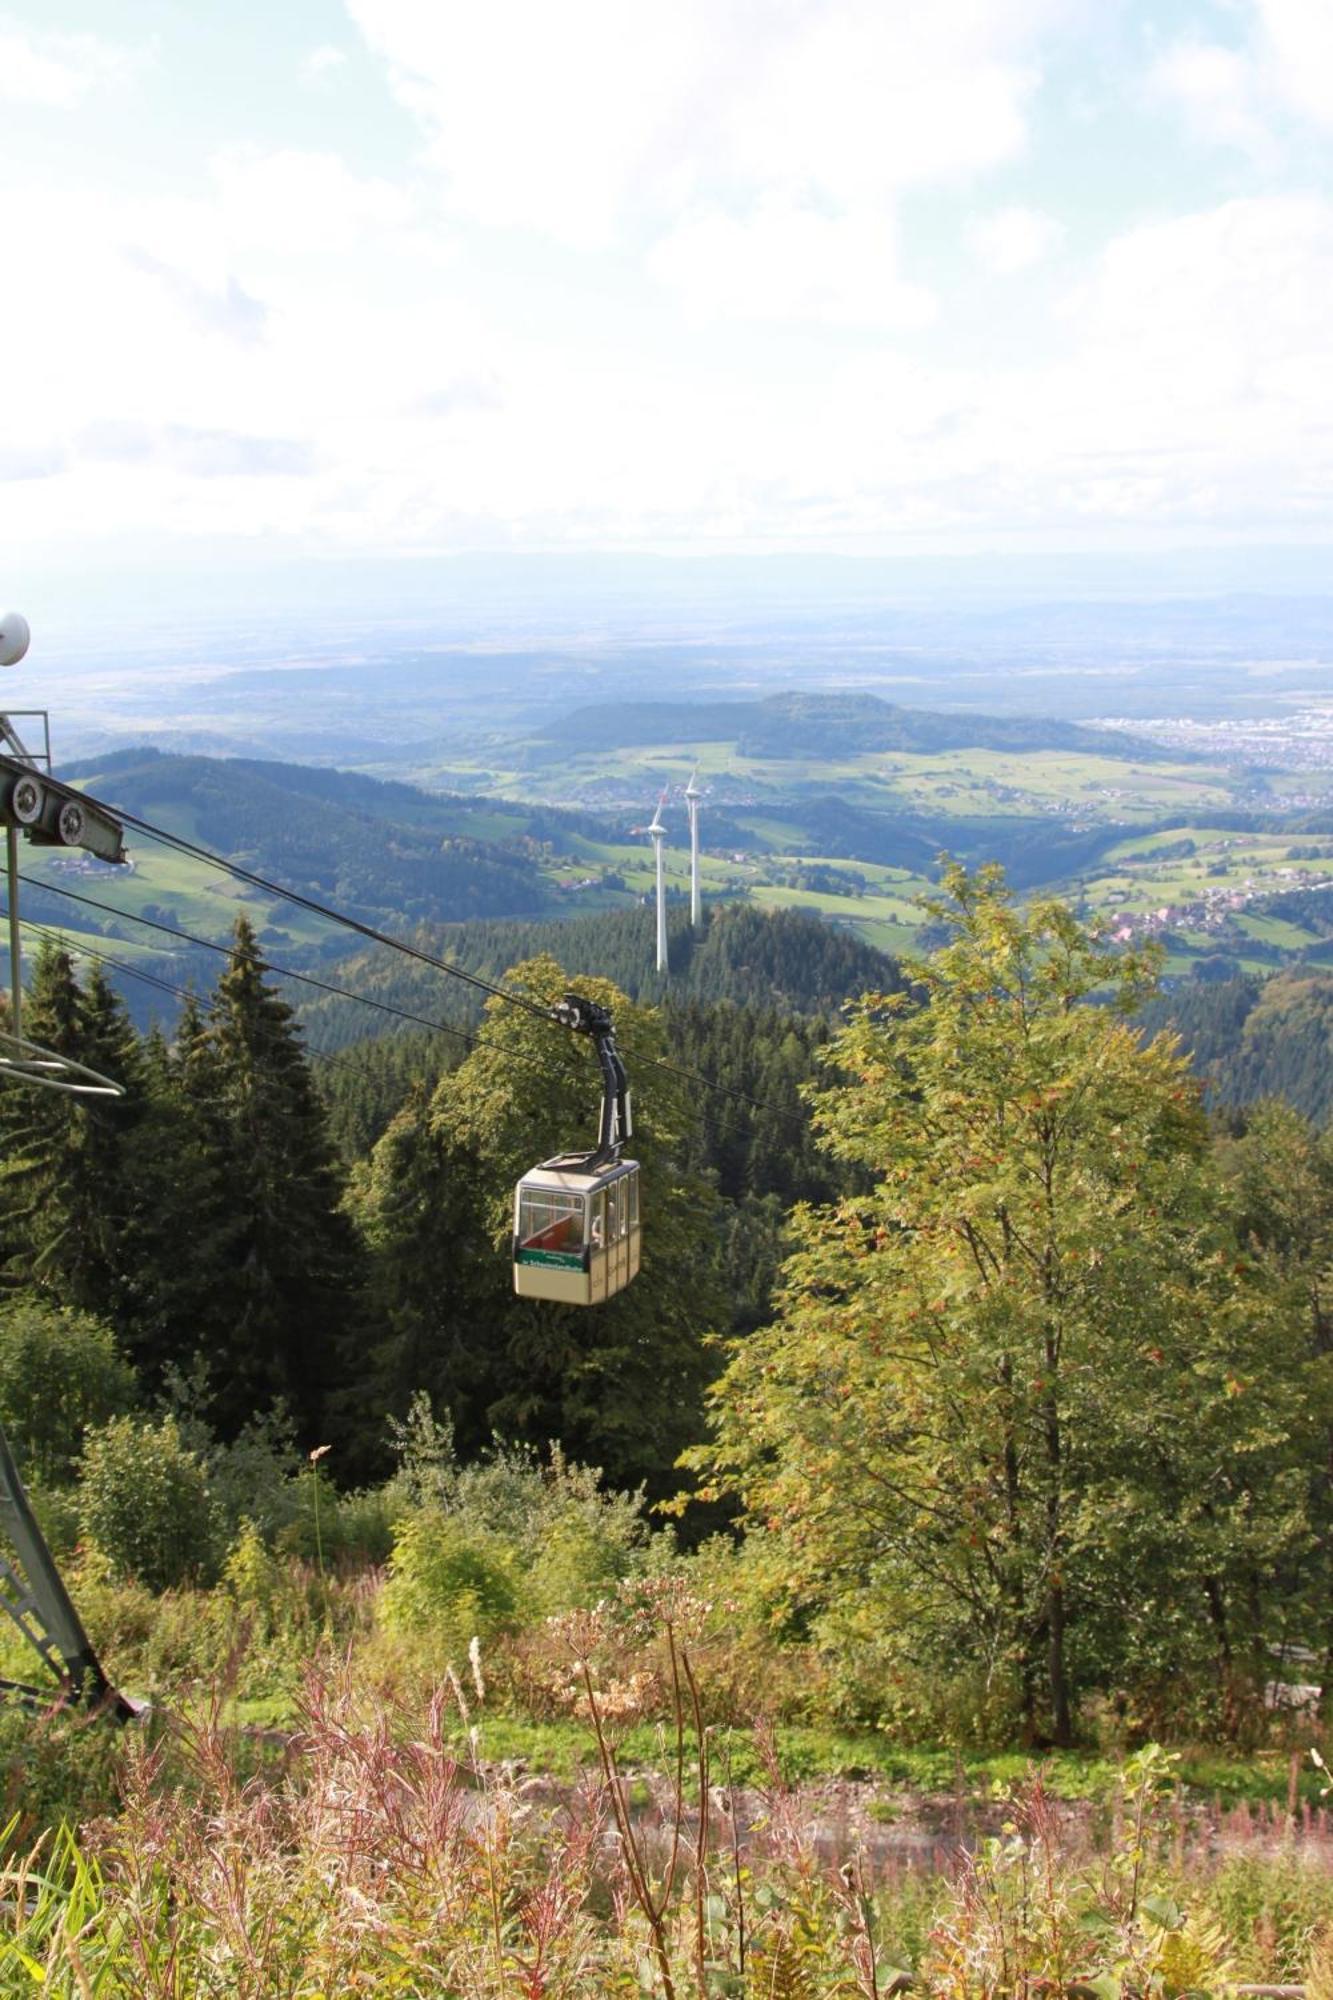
(26,801)
(70,823)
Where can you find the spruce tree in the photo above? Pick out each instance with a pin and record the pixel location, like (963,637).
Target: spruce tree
(172,1235)
(286,1285)
(70,1165)
(418,1203)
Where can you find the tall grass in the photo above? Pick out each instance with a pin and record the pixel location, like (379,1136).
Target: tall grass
(381,1852)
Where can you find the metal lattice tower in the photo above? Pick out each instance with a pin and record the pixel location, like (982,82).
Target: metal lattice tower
(48,813)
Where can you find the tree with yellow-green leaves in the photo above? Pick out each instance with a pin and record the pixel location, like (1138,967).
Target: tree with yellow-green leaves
(1025,1423)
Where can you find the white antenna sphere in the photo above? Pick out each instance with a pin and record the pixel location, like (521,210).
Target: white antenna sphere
(14,637)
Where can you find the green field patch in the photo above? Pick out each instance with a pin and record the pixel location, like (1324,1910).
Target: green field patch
(886,934)
(844,908)
(776,833)
(174,887)
(1273,930)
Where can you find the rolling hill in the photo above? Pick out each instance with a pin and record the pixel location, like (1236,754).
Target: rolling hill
(377,850)
(825,725)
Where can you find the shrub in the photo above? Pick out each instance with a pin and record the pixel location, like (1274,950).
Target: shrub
(256,1475)
(61,1765)
(57,1511)
(340,1530)
(145,1503)
(60,1374)
(290,1610)
(542,1537)
(575,1539)
(451,1580)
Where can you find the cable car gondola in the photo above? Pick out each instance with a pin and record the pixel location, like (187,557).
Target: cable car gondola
(576,1217)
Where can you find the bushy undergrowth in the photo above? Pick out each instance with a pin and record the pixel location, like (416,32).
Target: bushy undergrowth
(143,1500)
(381,1853)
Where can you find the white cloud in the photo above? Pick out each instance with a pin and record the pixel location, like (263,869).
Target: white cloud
(1013,239)
(322,64)
(56,70)
(275,356)
(1297,42)
(1243,96)
(201,453)
(1217,91)
(865,100)
(784,263)
(576,119)
(463,395)
(229,309)
(303,202)
(1201,368)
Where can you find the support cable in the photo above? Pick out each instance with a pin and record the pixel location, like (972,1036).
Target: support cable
(232,953)
(77,947)
(375,936)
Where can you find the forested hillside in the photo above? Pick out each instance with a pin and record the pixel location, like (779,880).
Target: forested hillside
(1006,1369)
(780,959)
(379,851)
(1252,1039)
(829,725)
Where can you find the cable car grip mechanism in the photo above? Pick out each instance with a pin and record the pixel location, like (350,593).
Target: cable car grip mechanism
(587,1017)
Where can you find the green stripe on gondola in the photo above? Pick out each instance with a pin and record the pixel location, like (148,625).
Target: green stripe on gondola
(564,1260)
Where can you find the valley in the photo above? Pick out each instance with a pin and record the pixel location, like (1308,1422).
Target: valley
(837,804)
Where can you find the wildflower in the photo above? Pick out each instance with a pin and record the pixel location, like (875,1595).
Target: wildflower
(459,1696)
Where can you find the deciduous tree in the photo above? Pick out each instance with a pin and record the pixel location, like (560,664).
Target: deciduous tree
(980,1367)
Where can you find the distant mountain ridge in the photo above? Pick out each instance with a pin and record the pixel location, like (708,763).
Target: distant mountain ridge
(377,850)
(826,725)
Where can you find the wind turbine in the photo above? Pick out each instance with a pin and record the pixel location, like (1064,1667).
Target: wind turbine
(692,798)
(658,833)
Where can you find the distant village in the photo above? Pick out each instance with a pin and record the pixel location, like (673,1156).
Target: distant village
(1301,741)
(1215,908)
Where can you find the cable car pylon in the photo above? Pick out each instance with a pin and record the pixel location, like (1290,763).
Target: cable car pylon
(32,1592)
(37,1603)
(51,814)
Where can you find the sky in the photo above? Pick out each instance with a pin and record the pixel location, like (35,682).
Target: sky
(381,278)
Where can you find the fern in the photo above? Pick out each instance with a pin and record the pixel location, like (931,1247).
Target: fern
(776,1973)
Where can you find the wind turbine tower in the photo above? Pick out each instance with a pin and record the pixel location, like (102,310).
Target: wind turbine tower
(692,798)
(658,832)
